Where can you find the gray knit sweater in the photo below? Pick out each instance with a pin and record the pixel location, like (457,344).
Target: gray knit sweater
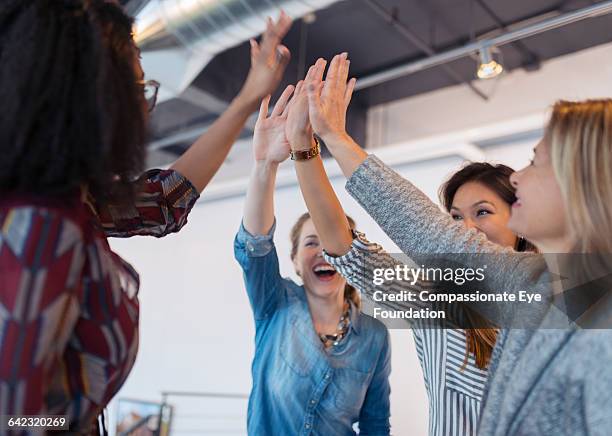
(544,381)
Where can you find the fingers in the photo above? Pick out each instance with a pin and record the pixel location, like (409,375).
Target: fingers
(333,70)
(315,108)
(343,68)
(337,75)
(283,56)
(298,91)
(348,94)
(274,33)
(263,108)
(315,72)
(282,101)
(254,50)
(283,24)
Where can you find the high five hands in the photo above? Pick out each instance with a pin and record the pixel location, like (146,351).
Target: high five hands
(317,106)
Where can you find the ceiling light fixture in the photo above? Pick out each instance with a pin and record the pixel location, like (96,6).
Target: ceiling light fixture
(488,67)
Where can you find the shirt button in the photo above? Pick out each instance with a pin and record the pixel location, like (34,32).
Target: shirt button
(312,401)
(326,376)
(307,425)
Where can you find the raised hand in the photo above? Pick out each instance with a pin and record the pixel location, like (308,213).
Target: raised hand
(297,128)
(269,140)
(329,99)
(268,61)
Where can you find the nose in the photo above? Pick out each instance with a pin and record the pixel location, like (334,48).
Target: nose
(470,224)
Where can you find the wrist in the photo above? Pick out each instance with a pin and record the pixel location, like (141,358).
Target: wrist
(303,143)
(246,103)
(265,166)
(336,140)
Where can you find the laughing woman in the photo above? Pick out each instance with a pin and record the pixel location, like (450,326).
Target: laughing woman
(320,365)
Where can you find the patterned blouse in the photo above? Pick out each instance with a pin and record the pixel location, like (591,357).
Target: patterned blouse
(68,304)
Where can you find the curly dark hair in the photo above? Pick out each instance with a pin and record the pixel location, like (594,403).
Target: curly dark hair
(72,106)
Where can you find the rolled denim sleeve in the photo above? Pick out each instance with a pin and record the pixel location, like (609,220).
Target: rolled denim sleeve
(257,256)
(376,410)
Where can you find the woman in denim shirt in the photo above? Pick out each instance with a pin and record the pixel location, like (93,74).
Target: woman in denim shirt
(320,365)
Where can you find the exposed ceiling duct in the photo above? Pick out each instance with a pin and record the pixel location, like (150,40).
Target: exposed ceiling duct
(179,37)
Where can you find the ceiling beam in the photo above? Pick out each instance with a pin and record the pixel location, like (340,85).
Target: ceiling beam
(596,10)
(530,59)
(415,40)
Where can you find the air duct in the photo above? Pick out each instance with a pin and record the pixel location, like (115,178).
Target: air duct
(179,37)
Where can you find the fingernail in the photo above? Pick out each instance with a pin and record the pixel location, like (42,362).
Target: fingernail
(344,55)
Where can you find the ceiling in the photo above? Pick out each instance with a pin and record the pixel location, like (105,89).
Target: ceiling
(379,35)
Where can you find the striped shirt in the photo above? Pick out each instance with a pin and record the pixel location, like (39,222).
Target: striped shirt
(454,389)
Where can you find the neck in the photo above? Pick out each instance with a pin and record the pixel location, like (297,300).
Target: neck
(325,312)
(555,246)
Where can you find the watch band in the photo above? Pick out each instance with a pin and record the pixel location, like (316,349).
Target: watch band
(306,154)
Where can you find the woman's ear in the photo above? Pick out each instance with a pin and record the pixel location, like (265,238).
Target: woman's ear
(295,266)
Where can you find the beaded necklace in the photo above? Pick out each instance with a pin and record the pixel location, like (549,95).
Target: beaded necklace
(343,326)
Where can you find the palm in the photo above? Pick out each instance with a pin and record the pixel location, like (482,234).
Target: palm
(270,142)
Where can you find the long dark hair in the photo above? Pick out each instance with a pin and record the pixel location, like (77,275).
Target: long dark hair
(72,108)
(480,342)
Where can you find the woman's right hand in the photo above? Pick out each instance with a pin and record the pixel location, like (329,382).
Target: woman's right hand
(328,100)
(270,144)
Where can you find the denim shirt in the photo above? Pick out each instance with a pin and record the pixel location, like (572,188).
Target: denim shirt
(299,387)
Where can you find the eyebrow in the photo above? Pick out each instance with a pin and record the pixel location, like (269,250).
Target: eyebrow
(310,236)
(476,204)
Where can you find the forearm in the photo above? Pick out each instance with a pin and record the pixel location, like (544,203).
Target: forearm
(259,204)
(323,205)
(202,160)
(346,152)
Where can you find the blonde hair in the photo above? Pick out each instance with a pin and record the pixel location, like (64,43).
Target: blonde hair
(350,293)
(579,135)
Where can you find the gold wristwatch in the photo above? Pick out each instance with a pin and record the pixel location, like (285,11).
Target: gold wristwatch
(306,154)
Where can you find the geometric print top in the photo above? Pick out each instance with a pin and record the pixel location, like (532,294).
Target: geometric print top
(68,304)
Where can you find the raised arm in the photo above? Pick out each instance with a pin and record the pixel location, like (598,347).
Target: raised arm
(323,205)
(406,214)
(268,61)
(270,148)
(253,246)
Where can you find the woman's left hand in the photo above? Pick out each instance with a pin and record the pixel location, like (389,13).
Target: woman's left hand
(268,62)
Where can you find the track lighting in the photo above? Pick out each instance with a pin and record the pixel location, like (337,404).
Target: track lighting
(488,67)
